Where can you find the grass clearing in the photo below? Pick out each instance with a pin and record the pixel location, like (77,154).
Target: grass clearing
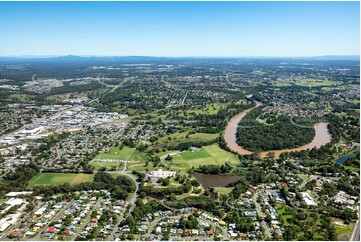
(19,97)
(123,154)
(344,229)
(209,109)
(174,139)
(282,84)
(141,167)
(3,200)
(223,190)
(59,179)
(204,136)
(207,155)
(316,83)
(97,165)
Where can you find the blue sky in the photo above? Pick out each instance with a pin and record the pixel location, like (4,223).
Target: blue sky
(180,28)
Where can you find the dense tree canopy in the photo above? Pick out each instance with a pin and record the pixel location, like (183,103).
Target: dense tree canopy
(276,134)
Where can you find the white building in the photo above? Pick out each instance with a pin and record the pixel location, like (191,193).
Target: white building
(161,174)
(308,199)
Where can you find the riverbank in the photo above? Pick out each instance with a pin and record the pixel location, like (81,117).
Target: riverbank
(322,136)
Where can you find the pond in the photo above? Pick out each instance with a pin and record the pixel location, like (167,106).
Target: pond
(345,158)
(208,181)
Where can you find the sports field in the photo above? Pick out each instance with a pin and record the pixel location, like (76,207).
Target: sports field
(97,165)
(59,178)
(207,155)
(123,154)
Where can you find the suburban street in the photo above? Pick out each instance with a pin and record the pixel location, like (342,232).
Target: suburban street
(87,219)
(262,215)
(356,232)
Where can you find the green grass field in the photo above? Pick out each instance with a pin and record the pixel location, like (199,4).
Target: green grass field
(123,154)
(180,137)
(316,83)
(282,84)
(3,200)
(223,190)
(59,178)
(203,136)
(207,155)
(20,97)
(97,165)
(209,109)
(341,229)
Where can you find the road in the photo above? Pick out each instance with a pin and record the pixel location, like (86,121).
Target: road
(231,83)
(356,232)
(154,223)
(131,202)
(231,206)
(224,231)
(38,236)
(306,179)
(19,222)
(167,85)
(262,215)
(114,88)
(87,219)
(185,96)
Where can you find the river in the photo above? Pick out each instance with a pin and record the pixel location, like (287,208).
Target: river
(322,136)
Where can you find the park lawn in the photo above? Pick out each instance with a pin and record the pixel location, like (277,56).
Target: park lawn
(138,156)
(353,168)
(97,165)
(203,136)
(141,167)
(242,101)
(127,152)
(3,200)
(174,136)
(354,101)
(116,153)
(181,137)
(59,178)
(282,84)
(316,83)
(207,155)
(344,229)
(209,109)
(20,97)
(223,190)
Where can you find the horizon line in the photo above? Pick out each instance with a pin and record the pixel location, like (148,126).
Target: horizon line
(186,56)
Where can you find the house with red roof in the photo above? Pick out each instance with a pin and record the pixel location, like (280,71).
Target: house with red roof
(50,229)
(93,220)
(15,233)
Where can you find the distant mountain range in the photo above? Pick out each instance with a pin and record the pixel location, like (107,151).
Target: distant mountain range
(153,59)
(78,57)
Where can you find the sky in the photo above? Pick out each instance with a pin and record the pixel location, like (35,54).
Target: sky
(180,28)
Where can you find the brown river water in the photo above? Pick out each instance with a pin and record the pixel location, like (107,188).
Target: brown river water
(322,136)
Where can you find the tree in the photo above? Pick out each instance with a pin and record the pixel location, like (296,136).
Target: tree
(195,183)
